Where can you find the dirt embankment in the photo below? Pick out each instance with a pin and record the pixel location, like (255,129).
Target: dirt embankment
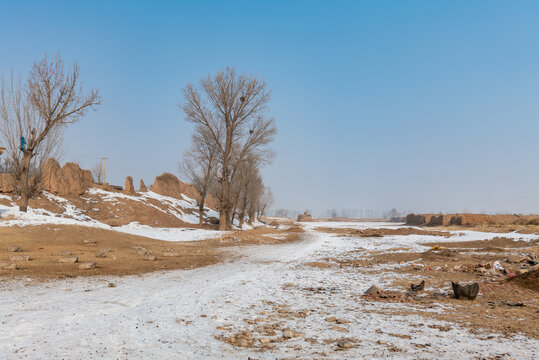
(525,223)
(382,232)
(54,251)
(116,209)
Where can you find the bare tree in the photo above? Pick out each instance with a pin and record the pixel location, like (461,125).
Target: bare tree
(266,200)
(394,215)
(243,188)
(97,173)
(255,191)
(231,107)
(34,115)
(199,165)
(282,213)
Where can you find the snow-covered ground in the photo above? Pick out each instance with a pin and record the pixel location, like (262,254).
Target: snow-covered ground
(175,314)
(11,216)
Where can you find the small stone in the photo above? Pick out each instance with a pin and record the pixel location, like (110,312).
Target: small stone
(373,290)
(150,258)
(144,252)
(339,328)
(68,260)
(14,248)
(19,258)
(170,254)
(521,271)
(381,342)
(264,341)
(8,266)
(66,253)
(288,334)
(90,242)
(243,343)
(111,285)
(341,321)
(344,344)
(101,254)
(87,265)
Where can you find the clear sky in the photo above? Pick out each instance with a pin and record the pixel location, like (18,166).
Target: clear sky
(421,105)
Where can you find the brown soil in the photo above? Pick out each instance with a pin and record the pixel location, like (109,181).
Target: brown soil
(528,280)
(383,232)
(501,223)
(497,242)
(125,254)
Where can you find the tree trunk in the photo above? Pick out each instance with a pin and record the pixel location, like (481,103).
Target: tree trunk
(23,182)
(24,203)
(241,218)
(224,215)
(201,214)
(251,217)
(201,208)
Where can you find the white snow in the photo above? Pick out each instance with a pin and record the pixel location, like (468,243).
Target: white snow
(11,216)
(146,317)
(169,234)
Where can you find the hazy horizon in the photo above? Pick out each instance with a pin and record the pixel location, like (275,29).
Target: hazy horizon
(423,106)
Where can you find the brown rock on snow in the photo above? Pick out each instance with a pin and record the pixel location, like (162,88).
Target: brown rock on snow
(7,183)
(129,188)
(373,290)
(142,187)
(168,185)
(67,180)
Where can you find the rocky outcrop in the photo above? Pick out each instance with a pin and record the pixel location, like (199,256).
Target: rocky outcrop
(305,217)
(436,220)
(168,185)
(415,219)
(7,183)
(129,188)
(189,191)
(211,201)
(67,180)
(142,186)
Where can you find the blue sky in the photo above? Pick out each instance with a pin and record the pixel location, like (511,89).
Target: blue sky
(421,105)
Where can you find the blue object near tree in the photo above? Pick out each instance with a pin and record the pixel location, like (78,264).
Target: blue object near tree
(23,143)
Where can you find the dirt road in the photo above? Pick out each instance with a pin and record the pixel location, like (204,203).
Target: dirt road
(267,302)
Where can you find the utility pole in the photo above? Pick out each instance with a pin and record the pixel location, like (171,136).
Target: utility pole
(104,169)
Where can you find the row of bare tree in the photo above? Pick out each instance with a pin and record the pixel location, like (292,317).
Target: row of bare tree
(230,144)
